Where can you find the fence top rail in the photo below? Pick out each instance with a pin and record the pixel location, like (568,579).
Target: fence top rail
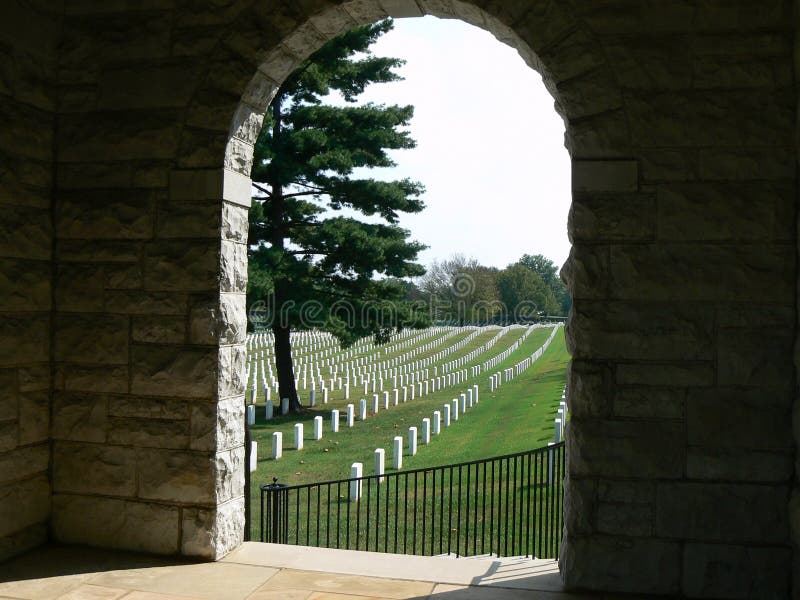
(285,488)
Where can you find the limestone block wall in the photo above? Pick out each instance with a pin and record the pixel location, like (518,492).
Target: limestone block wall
(124,269)
(27,105)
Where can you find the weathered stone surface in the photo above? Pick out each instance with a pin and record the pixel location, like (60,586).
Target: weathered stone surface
(25,232)
(94,469)
(725,211)
(612,217)
(24,463)
(123,277)
(580,505)
(589,389)
(9,435)
(24,503)
(80,287)
(138,302)
(713,512)
(182,265)
(739,464)
(105,251)
(92,339)
(229,467)
(211,534)
(621,564)
(24,339)
(175,476)
(724,571)
(23,540)
(217,426)
(34,377)
(111,523)
(633,330)
(26,285)
(80,417)
(586,272)
(725,273)
(104,214)
(80,378)
(234,223)
(233,267)
(681,375)
(159,330)
(650,402)
(187,372)
(148,433)
(755,357)
(160,85)
(734,418)
(605,176)
(147,408)
(34,417)
(625,518)
(9,398)
(232,360)
(640,450)
(198,219)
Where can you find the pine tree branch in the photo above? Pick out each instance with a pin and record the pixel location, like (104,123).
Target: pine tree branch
(262,189)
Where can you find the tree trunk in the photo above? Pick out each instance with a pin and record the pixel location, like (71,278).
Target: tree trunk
(280,324)
(283,362)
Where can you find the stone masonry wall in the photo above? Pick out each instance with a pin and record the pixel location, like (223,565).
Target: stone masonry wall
(27,103)
(681,124)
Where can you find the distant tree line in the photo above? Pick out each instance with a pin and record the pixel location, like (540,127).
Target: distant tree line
(460,290)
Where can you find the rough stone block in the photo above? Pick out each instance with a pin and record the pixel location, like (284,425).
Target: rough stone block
(580,505)
(232,361)
(725,211)
(723,512)
(640,331)
(80,287)
(211,534)
(92,339)
(589,388)
(605,176)
(726,272)
(147,408)
(229,474)
(234,222)
(23,540)
(159,329)
(9,397)
(148,85)
(627,519)
(9,435)
(182,265)
(612,217)
(80,417)
(756,357)
(24,339)
(81,378)
(724,571)
(586,272)
(34,417)
(197,219)
(675,374)
(148,433)
(123,277)
(639,450)
(110,523)
(738,418)
(24,463)
(25,285)
(103,214)
(175,476)
(94,469)
(621,564)
(26,232)
(24,503)
(217,426)
(174,371)
(137,302)
(739,464)
(233,267)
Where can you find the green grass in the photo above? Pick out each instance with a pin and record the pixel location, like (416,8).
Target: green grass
(516,417)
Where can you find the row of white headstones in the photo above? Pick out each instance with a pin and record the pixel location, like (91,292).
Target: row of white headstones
(450,413)
(417,378)
(370,370)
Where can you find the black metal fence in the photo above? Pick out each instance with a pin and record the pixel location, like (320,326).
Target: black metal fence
(507,506)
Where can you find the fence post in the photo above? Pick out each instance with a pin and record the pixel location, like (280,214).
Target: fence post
(272,527)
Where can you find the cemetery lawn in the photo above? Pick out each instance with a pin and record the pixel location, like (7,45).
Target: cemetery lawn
(518,416)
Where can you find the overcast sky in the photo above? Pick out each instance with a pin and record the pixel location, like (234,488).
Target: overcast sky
(490,146)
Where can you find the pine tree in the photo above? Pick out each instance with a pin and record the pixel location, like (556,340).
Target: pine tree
(310,254)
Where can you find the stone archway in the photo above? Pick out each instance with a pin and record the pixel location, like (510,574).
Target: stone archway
(127,325)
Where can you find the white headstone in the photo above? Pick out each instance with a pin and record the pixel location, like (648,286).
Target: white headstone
(350,415)
(437,422)
(380,463)
(426,431)
(253,456)
(362,412)
(277,445)
(447,415)
(298,436)
(356,471)
(268,410)
(313,398)
(284,406)
(335,421)
(397,452)
(251,414)
(317,428)
(412,440)
(454,403)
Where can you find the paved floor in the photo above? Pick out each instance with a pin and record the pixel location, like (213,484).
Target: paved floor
(270,572)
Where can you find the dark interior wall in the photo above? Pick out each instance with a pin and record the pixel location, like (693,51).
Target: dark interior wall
(28,33)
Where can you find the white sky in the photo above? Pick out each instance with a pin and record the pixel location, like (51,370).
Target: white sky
(490,146)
